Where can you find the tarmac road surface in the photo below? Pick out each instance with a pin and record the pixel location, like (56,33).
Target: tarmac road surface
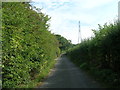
(67,75)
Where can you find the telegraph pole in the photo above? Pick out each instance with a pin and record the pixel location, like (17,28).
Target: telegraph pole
(79,34)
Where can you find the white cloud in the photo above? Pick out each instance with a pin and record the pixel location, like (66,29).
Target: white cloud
(66,14)
(95,3)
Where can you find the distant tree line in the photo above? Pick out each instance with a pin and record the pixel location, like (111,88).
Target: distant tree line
(64,44)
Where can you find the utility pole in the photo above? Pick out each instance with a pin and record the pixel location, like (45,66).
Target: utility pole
(79,34)
(119,11)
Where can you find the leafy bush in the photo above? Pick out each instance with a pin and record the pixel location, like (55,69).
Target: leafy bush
(100,54)
(28,47)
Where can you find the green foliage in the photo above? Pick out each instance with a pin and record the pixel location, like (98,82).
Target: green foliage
(28,47)
(100,54)
(64,44)
(84,66)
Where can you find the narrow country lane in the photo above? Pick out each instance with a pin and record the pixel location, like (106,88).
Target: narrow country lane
(67,75)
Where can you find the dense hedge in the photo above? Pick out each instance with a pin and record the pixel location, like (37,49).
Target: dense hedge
(100,55)
(28,47)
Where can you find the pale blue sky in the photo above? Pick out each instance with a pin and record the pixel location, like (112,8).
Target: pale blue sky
(65,15)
